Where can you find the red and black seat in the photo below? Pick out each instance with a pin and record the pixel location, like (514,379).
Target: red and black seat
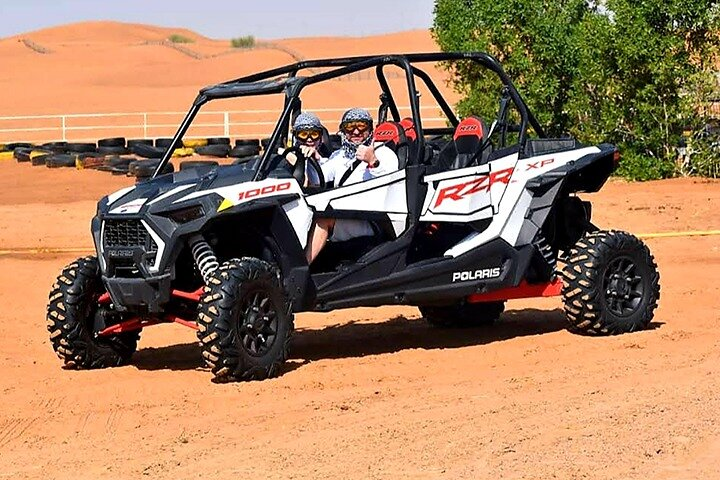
(411,134)
(470,136)
(392,134)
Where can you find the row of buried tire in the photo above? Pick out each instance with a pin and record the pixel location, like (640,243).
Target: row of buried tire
(137,158)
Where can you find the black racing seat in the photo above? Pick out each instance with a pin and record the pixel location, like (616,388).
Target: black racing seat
(392,134)
(470,136)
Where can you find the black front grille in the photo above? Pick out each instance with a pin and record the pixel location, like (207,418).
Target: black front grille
(128,233)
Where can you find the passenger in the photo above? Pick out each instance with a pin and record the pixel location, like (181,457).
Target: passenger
(356,161)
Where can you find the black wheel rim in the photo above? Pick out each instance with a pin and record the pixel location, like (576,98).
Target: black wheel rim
(258,323)
(623,286)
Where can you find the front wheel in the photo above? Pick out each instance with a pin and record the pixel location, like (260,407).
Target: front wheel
(244,321)
(74,317)
(611,284)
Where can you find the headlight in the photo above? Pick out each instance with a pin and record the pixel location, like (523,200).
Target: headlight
(187,214)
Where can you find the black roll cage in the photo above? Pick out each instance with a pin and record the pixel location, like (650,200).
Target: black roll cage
(285,79)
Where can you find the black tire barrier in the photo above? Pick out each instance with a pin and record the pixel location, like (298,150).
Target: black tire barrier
(111,142)
(244,151)
(116,161)
(113,150)
(218,141)
(147,151)
(85,155)
(139,141)
(215,150)
(40,160)
(22,154)
(60,160)
(265,142)
(16,145)
(143,169)
(55,147)
(244,142)
(163,142)
(80,147)
(197,164)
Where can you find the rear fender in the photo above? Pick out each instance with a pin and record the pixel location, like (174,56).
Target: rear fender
(590,172)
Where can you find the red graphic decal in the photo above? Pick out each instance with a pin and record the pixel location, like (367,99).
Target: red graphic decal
(541,164)
(257,192)
(482,184)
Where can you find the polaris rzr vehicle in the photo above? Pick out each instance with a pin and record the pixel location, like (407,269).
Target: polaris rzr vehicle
(479,212)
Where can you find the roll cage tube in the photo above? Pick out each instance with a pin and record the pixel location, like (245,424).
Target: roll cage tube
(481,58)
(200,100)
(272,81)
(294,89)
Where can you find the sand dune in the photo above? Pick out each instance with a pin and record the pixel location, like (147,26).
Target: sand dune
(110,66)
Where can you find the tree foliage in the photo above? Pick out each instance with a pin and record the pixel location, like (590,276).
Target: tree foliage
(630,72)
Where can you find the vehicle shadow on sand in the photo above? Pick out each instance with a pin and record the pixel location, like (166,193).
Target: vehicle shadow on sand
(358,339)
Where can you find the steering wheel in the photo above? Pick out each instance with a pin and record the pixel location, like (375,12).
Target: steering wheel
(298,170)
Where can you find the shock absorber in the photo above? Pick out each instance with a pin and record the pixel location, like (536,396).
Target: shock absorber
(205,258)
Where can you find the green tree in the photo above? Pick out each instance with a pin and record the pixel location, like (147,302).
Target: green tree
(632,72)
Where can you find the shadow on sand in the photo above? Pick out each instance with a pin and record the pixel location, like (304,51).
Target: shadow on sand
(355,339)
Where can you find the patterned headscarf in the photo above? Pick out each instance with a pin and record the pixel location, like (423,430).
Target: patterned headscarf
(355,115)
(307,121)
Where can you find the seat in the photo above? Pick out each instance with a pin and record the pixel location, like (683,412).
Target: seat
(392,134)
(411,134)
(470,134)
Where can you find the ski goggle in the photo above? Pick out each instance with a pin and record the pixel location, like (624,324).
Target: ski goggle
(305,134)
(350,127)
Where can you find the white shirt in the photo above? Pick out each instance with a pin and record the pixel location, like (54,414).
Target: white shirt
(334,169)
(337,164)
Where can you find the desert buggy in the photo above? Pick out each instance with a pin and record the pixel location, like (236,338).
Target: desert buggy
(478,213)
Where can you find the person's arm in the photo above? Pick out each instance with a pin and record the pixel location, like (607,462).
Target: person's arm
(380,161)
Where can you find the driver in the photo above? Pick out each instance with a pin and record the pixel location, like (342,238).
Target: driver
(356,161)
(308,132)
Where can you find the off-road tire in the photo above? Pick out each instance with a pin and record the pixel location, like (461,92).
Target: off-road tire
(611,284)
(463,315)
(244,151)
(247,142)
(214,150)
(111,142)
(236,288)
(71,317)
(218,141)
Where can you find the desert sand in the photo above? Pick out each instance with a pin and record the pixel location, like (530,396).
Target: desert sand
(367,393)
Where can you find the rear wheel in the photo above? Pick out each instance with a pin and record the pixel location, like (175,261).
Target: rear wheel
(611,284)
(74,317)
(244,321)
(463,314)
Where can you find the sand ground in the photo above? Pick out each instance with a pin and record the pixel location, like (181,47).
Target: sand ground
(367,393)
(372,393)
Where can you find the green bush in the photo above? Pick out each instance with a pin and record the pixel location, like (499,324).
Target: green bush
(631,73)
(639,167)
(248,41)
(177,38)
